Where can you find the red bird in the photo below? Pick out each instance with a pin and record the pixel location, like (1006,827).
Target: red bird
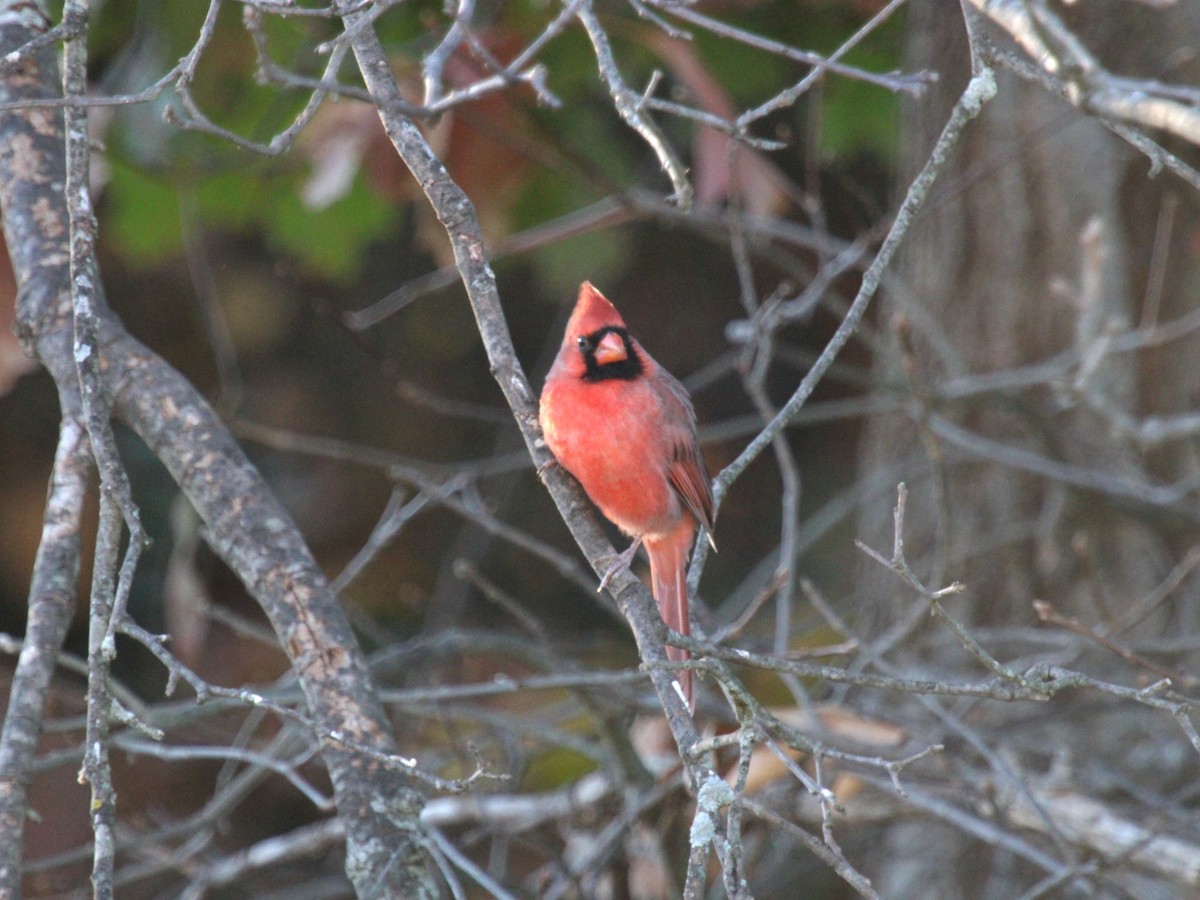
(625,428)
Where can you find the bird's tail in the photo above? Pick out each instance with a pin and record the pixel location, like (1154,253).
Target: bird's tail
(668,573)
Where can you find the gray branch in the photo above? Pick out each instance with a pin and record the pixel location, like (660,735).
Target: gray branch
(245,523)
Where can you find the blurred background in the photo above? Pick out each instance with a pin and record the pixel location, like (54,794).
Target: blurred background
(205,243)
(244,271)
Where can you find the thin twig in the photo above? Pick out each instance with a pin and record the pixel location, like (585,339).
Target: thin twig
(981,88)
(628,106)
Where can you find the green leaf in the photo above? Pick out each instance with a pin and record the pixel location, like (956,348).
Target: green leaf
(556,768)
(859,117)
(330,242)
(141,221)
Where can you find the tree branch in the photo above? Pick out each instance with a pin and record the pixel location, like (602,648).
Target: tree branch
(245,523)
(457,215)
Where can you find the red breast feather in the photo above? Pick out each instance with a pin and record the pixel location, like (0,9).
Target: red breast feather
(612,435)
(608,435)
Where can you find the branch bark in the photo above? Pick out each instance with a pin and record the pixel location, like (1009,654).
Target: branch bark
(1102,830)
(44,308)
(246,524)
(457,215)
(51,606)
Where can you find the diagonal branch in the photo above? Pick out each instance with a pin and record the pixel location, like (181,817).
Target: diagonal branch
(1085,82)
(979,90)
(51,605)
(629,105)
(245,523)
(457,215)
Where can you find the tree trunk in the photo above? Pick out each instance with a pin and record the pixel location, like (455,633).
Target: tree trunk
(1040,239)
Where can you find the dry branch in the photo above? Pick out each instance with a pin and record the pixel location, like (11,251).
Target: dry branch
(1098,828)
(245,523)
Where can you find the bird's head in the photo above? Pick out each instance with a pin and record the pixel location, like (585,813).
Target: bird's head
(597,346)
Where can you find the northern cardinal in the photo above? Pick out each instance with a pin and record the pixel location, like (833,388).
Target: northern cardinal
(625,428)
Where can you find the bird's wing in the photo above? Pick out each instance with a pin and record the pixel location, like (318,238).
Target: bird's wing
(686,470)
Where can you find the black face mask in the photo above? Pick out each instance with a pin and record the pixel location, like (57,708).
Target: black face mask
(626,369)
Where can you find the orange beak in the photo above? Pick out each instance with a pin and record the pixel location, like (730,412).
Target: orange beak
(611,349)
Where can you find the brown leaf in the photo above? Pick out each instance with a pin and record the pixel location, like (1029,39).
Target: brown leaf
(485,144)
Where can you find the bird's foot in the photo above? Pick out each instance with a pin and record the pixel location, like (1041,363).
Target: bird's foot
(620,563)
(546,467)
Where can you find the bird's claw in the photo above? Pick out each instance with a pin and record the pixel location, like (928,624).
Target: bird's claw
(620,563)
(546,467)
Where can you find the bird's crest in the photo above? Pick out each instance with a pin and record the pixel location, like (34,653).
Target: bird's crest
(592,312)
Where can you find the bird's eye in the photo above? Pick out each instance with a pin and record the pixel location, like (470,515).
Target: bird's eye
(584,343)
